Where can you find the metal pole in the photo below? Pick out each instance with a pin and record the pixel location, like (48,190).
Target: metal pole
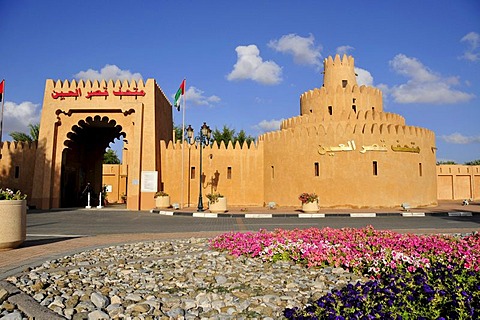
(200,200)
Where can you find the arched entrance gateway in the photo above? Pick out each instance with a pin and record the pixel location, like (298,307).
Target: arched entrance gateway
(79,121)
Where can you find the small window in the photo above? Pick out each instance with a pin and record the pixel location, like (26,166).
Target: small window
(229,173)
(373,108)
(375,168)
(273,172)
(354,108)
(420,169)
(317,169)
(354,100)
(330,110)
(344,83)
(17,172)
(192,173)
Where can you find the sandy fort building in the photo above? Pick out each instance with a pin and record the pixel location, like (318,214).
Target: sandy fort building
(342,146)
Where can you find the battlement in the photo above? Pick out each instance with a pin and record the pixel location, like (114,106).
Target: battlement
(95,84)
(336,130)
(254,146)
(345,61)
(13,146)
(326,91)
(346,116)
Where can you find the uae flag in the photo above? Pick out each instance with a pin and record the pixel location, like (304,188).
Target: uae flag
(2,89)
(180,92)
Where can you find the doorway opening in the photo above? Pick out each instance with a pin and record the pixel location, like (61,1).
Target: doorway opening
(82,159)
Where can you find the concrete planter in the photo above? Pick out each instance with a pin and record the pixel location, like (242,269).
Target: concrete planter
(219,206)
(13,223)
(310,207)
(162,202)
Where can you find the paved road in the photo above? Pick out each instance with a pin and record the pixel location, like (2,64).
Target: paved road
(51,224)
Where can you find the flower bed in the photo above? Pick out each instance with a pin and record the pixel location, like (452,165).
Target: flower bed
(413,276)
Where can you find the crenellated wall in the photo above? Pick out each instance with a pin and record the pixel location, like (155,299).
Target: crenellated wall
(458,182)
(16,169)
(234,171)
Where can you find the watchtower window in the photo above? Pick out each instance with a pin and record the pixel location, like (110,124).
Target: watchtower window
(420,173)
(354,100)
(17,172)
(344,83)
(330,110)
(229,172)
(375,168)
(192,173)
(317,169)
(354,108)
(273,172)
(373,108)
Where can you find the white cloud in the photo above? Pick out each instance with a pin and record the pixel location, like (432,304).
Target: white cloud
(302,49)
(364,77)
(108,72)
(251,66)
(344,50)
(424,85)
(266,126)
(458,138)
(472,53)
(17,117)
(195,96)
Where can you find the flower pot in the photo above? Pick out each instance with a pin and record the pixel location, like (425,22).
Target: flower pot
(13,223)
(310,206)
(162,202)
(219,206)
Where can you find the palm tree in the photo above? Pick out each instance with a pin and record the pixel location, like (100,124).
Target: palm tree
(20,136)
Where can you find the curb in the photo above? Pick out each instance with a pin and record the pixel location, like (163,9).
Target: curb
(27,304)
(313,215)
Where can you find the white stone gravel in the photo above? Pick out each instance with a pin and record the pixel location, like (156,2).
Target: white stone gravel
(177,279)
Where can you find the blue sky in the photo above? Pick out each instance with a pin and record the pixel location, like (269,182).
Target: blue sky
(247,62)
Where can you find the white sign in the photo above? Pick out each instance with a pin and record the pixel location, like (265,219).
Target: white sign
(108,188)
(149,181)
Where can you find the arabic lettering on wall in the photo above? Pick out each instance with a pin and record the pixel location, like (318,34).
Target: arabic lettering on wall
(350,146)
(98,93)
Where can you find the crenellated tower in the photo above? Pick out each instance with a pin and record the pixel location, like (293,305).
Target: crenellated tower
(340,93)
(346,149)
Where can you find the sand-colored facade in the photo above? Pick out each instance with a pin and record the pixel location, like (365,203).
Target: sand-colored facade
(458,182)
(79,120)
(342,146)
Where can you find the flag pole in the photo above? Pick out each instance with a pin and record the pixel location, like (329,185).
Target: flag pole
(183,142)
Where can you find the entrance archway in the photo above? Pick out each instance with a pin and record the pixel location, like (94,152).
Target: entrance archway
(78,122)
(82,158)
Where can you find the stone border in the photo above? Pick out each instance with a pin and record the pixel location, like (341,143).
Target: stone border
(27,304)
(313,215)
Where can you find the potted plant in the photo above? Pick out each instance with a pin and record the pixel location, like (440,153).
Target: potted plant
(124,198)
(216,202)
(162,199)
(13,219)
(309,202)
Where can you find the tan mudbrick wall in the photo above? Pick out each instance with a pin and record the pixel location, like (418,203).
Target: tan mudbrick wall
(341,146)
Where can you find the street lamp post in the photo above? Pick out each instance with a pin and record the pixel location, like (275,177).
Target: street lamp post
(203,140)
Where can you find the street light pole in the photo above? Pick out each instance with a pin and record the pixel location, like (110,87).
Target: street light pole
(203,140)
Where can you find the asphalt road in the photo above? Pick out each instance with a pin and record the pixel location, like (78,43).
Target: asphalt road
(81,222)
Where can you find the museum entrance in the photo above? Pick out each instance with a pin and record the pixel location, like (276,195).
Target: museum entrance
(82,159)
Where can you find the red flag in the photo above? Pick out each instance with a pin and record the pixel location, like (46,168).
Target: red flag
(2,89)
